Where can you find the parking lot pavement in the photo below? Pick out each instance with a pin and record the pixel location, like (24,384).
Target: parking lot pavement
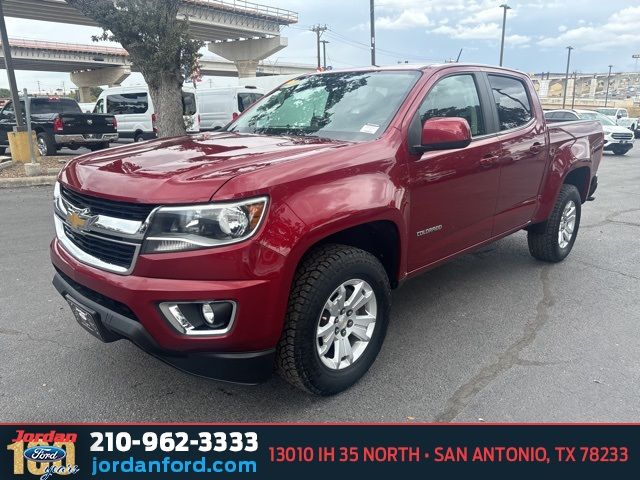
(493,335)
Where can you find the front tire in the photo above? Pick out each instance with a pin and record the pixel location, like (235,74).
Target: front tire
(336,319)
(552,241)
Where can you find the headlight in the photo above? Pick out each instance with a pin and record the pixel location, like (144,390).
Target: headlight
(177,229)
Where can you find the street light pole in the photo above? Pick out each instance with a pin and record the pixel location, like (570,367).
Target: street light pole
(372,20)
(606,95)
(504,25)
(573,96)
(566,77)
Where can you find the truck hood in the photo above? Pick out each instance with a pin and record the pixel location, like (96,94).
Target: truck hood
(608,129)
(183,169)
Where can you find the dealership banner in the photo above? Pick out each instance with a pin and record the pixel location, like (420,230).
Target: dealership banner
(309,451)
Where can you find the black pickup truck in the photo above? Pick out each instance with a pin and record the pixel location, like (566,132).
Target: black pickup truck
(59,122)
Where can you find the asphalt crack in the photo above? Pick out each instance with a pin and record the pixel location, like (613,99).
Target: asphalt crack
(465,394)
(611,219)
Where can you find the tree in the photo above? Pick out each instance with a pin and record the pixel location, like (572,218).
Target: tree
(5,93)
(95,93)
(158,44)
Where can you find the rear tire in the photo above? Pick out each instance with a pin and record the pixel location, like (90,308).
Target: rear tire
(552,241)
(322,363)
(46,144)
(138,137)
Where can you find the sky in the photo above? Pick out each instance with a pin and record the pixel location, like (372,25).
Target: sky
(424,31)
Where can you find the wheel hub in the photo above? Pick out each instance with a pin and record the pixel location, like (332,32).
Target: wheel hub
(346,324)
(567,224)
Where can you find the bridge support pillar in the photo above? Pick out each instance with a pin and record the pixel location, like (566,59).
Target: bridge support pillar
(85,79)
(246,54)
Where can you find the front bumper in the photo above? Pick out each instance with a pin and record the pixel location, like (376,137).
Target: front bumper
(245,367)
(128,307)
(89,139)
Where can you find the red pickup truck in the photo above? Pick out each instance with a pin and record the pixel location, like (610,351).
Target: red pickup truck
(276,241)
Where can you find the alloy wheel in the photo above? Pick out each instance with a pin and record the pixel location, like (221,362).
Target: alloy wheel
(346,324)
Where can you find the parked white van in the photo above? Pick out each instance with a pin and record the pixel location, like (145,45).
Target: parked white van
(134,111)
(218,105)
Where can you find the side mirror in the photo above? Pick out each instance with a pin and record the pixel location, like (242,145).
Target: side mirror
(445,133)
(619,116)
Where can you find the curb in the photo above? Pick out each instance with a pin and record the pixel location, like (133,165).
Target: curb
(27,181)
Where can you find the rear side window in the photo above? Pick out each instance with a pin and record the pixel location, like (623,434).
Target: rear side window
(54,105)
(568,116)
(188,103)
(127,103)
(455,96)
(512,101)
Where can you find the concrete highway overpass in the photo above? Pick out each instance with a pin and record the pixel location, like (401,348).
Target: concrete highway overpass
(97,65)
(240,31)
(209,20)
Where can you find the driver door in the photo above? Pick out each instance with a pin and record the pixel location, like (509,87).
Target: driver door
(453,192)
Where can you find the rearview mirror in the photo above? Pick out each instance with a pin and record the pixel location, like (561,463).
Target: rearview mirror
(445,133)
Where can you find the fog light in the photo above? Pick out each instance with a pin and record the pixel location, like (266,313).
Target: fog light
(208,314)
(200,318)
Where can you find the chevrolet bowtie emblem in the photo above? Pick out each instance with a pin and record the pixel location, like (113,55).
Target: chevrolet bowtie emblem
(79,219)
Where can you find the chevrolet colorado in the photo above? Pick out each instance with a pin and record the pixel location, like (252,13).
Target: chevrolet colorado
(277,240)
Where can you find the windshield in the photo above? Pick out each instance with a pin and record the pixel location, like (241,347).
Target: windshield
(349,106)
(596,116)
(607,111)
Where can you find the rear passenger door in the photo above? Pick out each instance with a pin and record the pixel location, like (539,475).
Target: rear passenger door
(524,143)
(453,192)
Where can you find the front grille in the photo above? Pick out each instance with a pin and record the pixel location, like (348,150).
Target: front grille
(115,253)
(111,208)
(103,300)
(622,136)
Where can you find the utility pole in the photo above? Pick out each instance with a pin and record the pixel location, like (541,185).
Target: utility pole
(575,80)
(372,20)
(6,49)
(39,89)
(318,29)
(324,53)
(505,7)
(606,96)
(566,77)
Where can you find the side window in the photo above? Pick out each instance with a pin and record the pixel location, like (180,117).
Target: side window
(551,115)
(569,117)
(512,101)
(99,108)
(8,109)
(188,104)
(246,99)
(127,103)
(455,96)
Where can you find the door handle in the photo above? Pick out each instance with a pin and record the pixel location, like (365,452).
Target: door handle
(536,148)
(489,160)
